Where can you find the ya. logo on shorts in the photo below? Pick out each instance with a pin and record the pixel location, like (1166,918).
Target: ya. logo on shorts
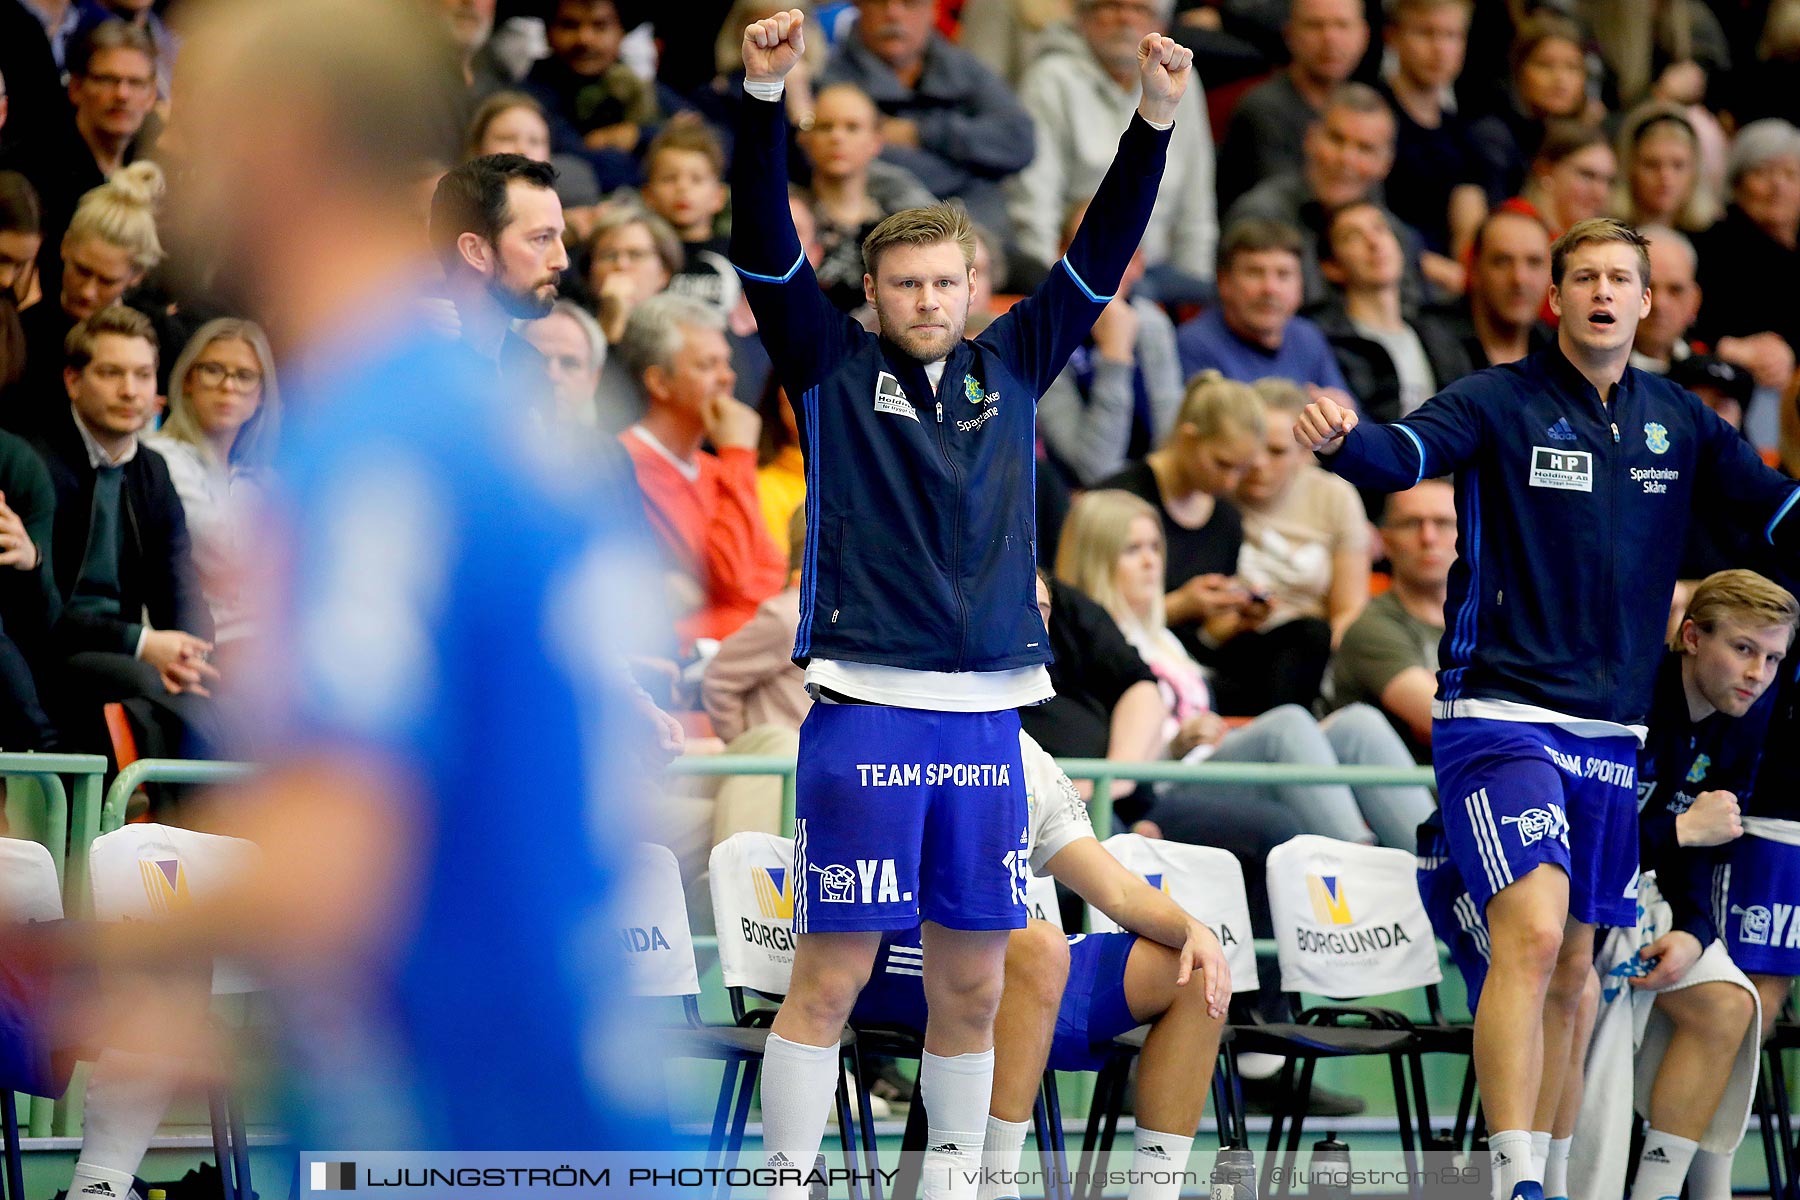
(874,878)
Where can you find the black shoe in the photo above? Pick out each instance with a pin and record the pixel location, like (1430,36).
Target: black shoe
(1266,1097)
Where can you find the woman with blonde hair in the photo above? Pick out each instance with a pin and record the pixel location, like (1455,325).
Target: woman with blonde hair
(1112,549)
(1215,441)
(224,418)
(1660,178)
(1306,533)
(110,245)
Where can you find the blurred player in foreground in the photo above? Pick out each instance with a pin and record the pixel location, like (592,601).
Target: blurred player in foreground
(441,702)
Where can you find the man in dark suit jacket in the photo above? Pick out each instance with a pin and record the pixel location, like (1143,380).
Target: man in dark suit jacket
(134,625)
(28,599)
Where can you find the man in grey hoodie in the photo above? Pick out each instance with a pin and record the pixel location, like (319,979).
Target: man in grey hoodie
(1080,93)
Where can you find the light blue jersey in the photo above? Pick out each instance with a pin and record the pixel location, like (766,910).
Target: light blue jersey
(456,607)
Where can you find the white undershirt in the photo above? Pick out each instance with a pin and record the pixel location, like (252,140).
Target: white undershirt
(1412,366)
(1531,714)
(690,471)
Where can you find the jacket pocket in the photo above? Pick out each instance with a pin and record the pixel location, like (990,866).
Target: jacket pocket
(832,585)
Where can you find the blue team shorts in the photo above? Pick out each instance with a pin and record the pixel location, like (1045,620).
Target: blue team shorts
(1093,1010)
(1517,795)
(904,815)
(1454,917)
(1760,903)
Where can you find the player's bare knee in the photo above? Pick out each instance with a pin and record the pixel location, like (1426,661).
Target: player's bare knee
(967,1002)
(1527,946)
(1723,1013)
(1588,1008)
(1189,999)
(1569,982)
(1037,962)
(824,994)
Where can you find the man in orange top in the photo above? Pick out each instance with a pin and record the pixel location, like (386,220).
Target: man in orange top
(703,507)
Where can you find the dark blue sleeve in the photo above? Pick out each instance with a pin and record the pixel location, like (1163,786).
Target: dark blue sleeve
(1684,876)
(1437,439)
(1040,332)
(803,333)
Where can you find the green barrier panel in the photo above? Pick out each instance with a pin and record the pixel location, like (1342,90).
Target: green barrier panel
(165,770)
(1102,771)
(67,836)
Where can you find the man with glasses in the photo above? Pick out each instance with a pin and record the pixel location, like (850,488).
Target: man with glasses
(946,117)
(1388,657)
(112,89)
(1080,93)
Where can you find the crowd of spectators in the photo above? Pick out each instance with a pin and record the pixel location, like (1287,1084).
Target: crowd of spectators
(1360,201)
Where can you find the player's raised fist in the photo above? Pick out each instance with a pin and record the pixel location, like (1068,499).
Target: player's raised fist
(773,45)
(1323,425)
(1165,66)
(1712,820)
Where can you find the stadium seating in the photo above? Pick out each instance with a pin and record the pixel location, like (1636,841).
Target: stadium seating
(146,871)
(1349,923)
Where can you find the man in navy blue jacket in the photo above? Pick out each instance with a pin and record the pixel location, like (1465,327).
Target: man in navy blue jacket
(1576,477)
(919,626)
(1695,772)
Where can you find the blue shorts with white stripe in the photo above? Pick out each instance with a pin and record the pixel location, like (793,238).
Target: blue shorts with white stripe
(1517,795)
(1454,918)
(1092,1013)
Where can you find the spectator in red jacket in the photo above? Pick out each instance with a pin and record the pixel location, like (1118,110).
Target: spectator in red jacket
(703,506)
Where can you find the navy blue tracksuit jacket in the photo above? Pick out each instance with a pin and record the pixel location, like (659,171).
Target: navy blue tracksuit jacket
(1681,759)
(920,506)
(1571,516)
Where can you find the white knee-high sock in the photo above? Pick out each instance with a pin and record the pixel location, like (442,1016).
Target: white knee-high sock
(798,1082)
(1510,1150)
(1556,1169)
(1157,1161)
(127,1097)
(1540,1152)
(1709,1176)
(1000,1153)
(957,1090)
(1662,1166)
(98,1183)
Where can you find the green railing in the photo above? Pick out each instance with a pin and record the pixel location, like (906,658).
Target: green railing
(165,770)
(1103,772)
(67,835)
